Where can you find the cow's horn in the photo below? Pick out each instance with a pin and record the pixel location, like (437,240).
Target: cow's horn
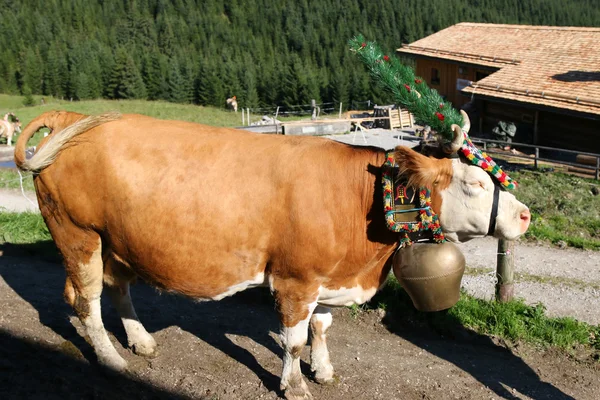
(458,140)
(466,120)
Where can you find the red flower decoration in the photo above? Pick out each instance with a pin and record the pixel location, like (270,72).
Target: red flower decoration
(418,81)
(407,87)
(441,105)
(440,116)
(386,58)
(485,165)
(363,45)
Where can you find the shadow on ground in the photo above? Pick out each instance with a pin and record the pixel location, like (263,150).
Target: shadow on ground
(250,314)
(30,370)
(440,334)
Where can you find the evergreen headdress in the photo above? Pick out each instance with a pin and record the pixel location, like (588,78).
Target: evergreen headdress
(426,104)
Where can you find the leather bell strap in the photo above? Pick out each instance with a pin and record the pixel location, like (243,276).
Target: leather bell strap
(494,213)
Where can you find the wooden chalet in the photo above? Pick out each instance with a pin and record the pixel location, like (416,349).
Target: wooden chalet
(545,79)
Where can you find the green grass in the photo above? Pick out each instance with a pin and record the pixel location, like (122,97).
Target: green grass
(563,208)
(9,179)
(22,228)
(514,321)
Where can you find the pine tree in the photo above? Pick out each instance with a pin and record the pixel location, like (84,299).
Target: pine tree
(175,86)
(153,75)
(202,86)
(33,70)
(126,81)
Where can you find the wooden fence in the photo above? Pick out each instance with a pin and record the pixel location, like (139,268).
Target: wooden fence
(580,167)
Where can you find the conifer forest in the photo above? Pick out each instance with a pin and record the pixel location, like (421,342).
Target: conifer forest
(202,51)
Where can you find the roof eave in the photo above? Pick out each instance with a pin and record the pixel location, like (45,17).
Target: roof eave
(534,106)
(469,63)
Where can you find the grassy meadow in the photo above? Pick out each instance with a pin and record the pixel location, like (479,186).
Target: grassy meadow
(513,321)
(564,208)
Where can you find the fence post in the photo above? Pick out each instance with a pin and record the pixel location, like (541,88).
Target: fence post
(505,271)
(597,168)
(243,119)
(340,110)
(535,160)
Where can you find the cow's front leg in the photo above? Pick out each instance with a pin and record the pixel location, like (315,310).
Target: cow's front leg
(319,355)
(295,316)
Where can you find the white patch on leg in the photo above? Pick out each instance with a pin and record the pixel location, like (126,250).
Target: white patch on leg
(105,351)
(137,337)
(91,275)
(295,337)
(320,363)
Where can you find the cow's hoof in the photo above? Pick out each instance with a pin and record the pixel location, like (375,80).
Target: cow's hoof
(298,392)
(291,394)
(147,349)
(327,380)
(117,364)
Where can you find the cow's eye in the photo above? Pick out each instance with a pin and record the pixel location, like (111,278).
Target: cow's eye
(477,184)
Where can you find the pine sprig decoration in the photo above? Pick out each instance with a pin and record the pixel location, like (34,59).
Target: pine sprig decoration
(410,92)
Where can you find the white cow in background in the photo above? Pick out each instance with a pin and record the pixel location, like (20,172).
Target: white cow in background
(232,103)
(8,127)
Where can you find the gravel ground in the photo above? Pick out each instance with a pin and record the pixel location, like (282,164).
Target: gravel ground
(14,201)
(566,281)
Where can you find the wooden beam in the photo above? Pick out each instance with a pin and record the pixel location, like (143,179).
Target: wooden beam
(505,271)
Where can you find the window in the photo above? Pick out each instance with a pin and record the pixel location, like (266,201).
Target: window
(435,76)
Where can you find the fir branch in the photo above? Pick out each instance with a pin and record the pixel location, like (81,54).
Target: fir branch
(410,92)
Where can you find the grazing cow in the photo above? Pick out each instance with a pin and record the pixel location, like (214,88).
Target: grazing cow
(229,210)
(8,128)
(232,103)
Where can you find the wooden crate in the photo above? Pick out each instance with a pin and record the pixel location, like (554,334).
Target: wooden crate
(401,118)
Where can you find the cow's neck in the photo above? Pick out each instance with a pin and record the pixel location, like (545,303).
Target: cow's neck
(381,241)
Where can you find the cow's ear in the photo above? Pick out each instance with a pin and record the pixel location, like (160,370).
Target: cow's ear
(423,171)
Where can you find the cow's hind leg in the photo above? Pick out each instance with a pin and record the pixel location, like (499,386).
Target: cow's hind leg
(295,312)
(319,355)
(117,279)
(83,288)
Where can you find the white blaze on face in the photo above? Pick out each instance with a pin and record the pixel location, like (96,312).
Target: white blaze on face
(467,206)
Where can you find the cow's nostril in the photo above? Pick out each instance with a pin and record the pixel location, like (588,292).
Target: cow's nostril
(525,216)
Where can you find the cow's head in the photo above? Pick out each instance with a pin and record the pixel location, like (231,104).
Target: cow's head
(463,194)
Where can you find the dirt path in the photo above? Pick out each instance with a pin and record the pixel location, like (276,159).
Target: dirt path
(566,281)
(229,350)
(13,200)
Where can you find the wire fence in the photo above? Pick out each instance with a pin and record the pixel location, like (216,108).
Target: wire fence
(553,155)
(314,109)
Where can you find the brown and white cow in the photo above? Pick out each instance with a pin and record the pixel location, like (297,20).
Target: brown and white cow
(232,103)
(208,212)
(8,127)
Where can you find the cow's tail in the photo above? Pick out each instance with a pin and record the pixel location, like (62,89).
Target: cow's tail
(64,126)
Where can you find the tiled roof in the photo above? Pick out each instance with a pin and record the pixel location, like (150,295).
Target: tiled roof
(547,65)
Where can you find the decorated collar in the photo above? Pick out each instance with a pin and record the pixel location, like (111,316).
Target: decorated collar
(400,201)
